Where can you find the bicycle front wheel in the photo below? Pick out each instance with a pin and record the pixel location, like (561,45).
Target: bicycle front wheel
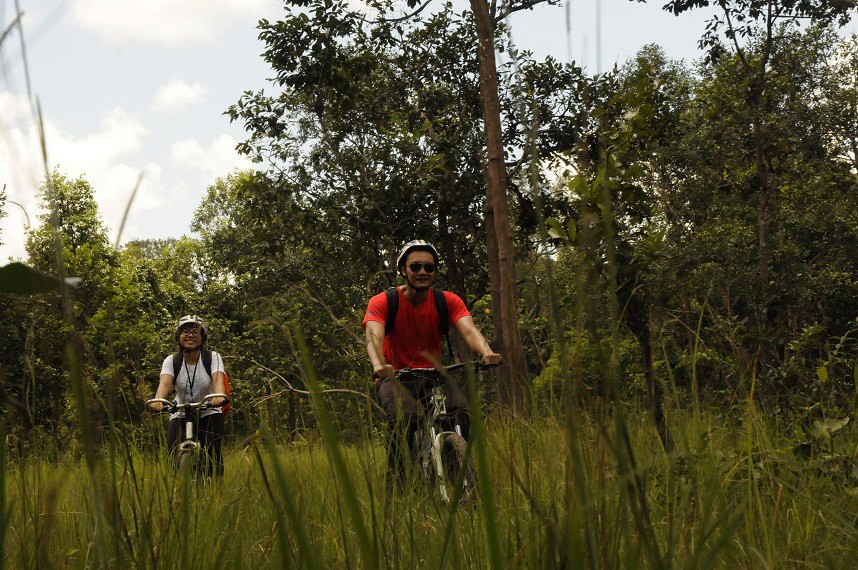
(188,463)
(459,470)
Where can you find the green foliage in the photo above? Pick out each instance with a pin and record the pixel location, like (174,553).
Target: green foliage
(372,136)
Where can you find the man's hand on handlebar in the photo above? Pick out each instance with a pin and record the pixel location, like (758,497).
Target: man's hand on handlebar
(156,406)
(385,372)
(215,402)
(492,358)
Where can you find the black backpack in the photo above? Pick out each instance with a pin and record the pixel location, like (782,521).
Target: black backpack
(440,305)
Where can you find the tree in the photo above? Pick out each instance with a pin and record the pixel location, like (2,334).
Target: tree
(753,29)
(392,127)
(716,210)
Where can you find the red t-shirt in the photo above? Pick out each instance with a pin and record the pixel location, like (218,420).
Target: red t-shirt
(416,339)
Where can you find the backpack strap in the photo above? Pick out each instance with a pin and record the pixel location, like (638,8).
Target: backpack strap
(177,364)
(444,319)
(205,356)
(441,307)
(392,308)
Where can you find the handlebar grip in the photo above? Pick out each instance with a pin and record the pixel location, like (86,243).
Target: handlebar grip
(206,403)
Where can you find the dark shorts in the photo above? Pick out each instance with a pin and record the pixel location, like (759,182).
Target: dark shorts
(399,398)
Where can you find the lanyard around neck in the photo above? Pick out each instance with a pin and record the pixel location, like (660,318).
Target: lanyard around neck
(191,379)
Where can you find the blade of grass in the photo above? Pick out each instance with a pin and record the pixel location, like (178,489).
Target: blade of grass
(127,210)
(306,552)
(4,512)
(335,455)
(485,487)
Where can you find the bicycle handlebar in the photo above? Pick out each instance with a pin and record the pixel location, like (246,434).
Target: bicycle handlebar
(476,364)
(171,407)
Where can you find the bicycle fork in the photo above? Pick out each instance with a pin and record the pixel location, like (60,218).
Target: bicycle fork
(189,443)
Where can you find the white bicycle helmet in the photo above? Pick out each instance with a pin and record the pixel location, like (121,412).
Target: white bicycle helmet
(415,245)
(192,319)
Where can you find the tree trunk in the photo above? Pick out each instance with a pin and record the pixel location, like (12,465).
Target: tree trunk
(637,316)
(513,393)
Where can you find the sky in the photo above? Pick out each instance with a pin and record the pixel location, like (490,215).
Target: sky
(139,87)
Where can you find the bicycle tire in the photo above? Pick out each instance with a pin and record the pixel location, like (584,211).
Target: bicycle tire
(454,459)
(188,464)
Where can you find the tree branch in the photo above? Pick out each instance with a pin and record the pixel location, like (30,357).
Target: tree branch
(8,30)
(286,384)
(510,9)
(334,317)
(407,16)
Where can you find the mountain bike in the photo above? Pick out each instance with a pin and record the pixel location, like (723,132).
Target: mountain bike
(442,451)
(190,451)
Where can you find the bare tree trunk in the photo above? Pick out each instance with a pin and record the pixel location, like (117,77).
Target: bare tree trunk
(513,393)
(638,318)
(655,394)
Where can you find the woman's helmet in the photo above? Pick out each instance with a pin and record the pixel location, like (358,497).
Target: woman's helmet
(415,245)
(192,319)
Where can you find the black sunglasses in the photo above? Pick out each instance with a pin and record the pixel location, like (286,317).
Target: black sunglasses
(416,267)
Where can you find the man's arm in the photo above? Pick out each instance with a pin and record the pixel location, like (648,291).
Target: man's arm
(476,341)
(374,340)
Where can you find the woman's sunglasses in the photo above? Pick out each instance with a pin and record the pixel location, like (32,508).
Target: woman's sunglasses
(416,267)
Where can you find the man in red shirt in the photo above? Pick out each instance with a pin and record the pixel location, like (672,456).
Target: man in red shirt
(415,343)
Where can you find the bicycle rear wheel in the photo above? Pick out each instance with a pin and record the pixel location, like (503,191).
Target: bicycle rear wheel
(459,469)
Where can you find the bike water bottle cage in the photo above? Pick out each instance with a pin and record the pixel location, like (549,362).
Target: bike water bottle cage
(439,403)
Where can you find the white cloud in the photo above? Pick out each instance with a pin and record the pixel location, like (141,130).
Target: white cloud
(100,157)
(20,172)
(176,95)
(219,159)
(167,22)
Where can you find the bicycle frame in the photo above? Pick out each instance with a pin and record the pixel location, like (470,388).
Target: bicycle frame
(436,438)
(434,432)
(189,412)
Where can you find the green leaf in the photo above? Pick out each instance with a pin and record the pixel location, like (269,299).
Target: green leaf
(19,279)
(825,428)
(822,373)
(572,231)
(556,230)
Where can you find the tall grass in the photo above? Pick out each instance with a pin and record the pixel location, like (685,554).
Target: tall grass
(737,497)
(571,489)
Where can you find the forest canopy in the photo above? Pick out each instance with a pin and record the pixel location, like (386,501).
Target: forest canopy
(676,225)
